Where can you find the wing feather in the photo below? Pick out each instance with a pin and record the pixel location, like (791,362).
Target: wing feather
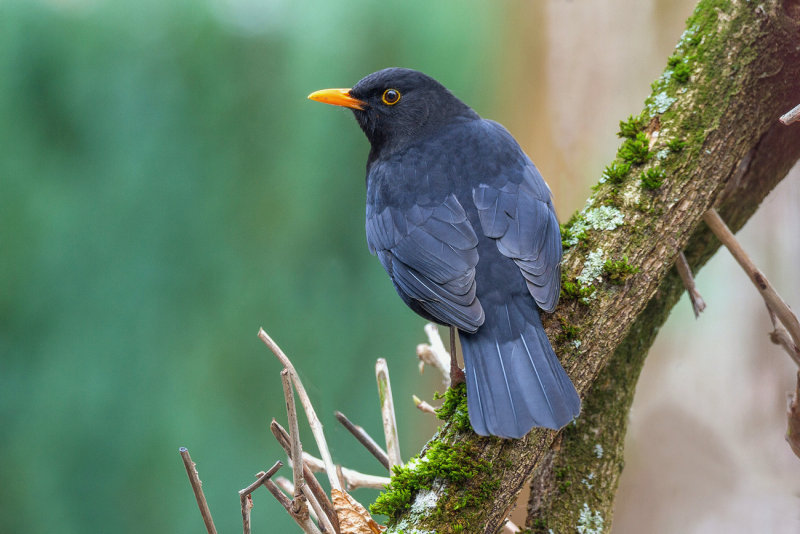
(520,216)
(430,252)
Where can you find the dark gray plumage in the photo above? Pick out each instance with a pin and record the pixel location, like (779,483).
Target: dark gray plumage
(463,223)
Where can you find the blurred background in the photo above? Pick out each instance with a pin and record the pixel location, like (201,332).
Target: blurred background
(166,189)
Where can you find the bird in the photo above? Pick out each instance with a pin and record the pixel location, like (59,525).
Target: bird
(464,224)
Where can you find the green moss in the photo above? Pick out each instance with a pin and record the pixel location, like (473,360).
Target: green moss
(673,61)
(617,271)
(454,408)
(632,126)
(676,145)
(456,463)
(573,290)
(682,72)
(616,172)
(568,332)
(653,178)
(635,150)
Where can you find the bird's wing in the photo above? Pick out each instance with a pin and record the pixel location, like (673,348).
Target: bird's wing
(516,210)
(430,252)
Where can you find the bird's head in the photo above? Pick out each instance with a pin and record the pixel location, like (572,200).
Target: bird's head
(397,106)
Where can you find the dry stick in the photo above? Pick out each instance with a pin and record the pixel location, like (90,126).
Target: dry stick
(286,485)
(340,476)
(304,523)
(791,116)
(698,304)
(262,478)
(299,502)
(365,439)
(197,486)
(246,501)
(311,415)
(793,414)
(311,481)
(317,510)
(423,406)
(435,353)
(353,479)
(773,301)
(245,498)
(780,336)
(387,412)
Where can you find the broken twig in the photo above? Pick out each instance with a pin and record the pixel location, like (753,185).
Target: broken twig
(423,406)
(197,486)
(246,498)
(434,353)
(773,301)
(793,414)
(698,304)
(311,481)
(365,439)
(387,412)
(791,116)
(299,505)
(353,479)
(311,415)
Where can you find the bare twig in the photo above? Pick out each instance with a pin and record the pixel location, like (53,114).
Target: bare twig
(387,412)
(245,495)
(279,495)
(311,415)
(423,406)
(197,486)
(285,484)
(299,503)
(791,116)
(262,478)
(317,510)
(365,439)
(305,522)
(311,481)
(793,414)
(781,337)
(771,298)
(698,304)
(353,479)
(246,501)
(434,353)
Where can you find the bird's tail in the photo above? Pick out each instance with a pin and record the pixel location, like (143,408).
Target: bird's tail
(514,379)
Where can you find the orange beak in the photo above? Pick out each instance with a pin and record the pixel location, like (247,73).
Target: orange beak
(337,97)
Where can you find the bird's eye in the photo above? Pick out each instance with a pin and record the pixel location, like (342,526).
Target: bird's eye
(391,97)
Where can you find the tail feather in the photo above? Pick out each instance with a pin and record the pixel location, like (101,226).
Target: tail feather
(514,379)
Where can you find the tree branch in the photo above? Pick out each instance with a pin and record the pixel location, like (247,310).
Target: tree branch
(197,487)
(701,142)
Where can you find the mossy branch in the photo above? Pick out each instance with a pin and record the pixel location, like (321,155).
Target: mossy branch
(708,137)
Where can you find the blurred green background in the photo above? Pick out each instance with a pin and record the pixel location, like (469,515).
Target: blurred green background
(166,189)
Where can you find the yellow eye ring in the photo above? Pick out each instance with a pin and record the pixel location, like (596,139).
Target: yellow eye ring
(390,97)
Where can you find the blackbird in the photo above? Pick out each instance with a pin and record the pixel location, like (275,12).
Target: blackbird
(464,225)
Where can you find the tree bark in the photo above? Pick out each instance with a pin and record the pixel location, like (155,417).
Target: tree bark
(709,137)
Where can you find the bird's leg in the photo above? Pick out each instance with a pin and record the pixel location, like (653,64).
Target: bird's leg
(456,374)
